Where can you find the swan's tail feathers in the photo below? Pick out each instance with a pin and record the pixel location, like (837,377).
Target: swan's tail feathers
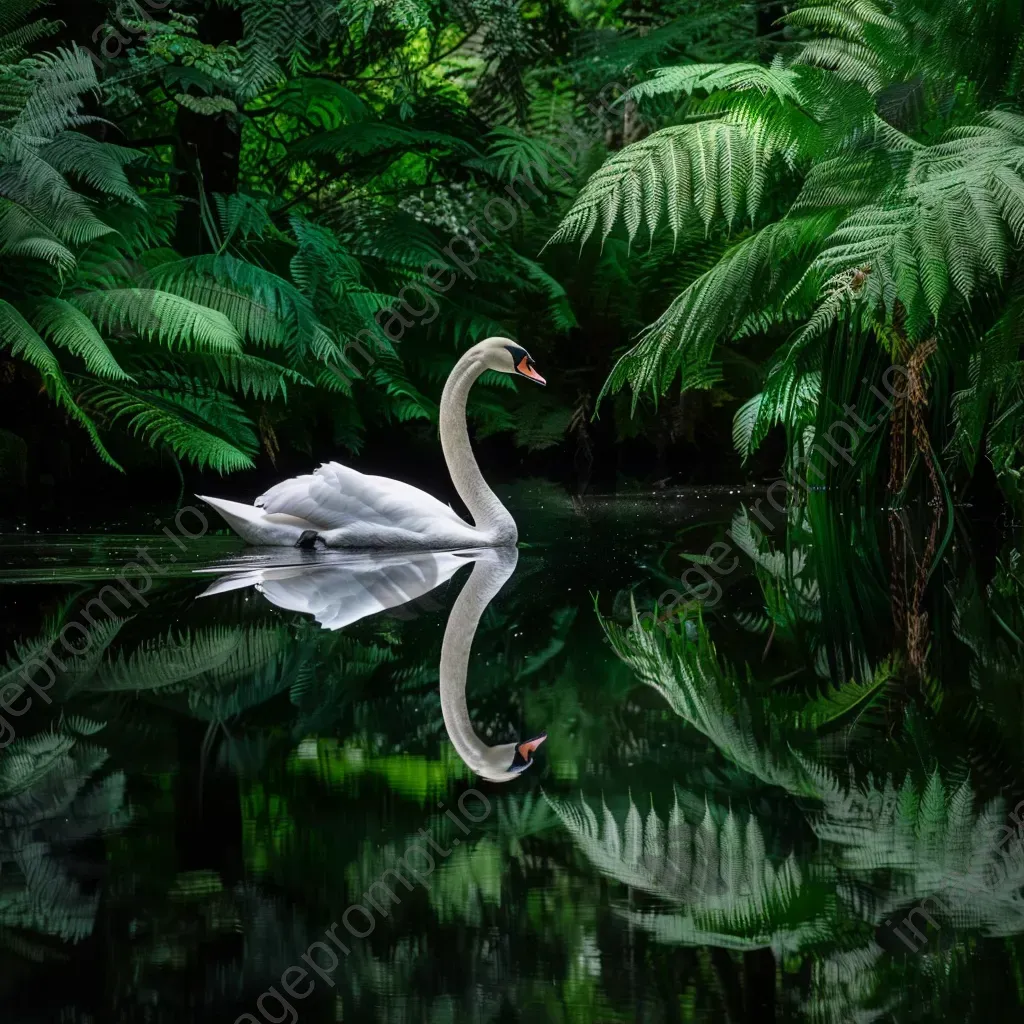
(236,581)
(254,525)
(234,512)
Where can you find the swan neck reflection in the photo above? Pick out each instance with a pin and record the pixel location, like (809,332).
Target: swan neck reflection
(339,589)
(490,573)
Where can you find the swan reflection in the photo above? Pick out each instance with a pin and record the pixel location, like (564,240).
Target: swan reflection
(340,588)
(337,588)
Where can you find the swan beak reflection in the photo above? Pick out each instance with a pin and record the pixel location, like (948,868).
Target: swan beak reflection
(524,753)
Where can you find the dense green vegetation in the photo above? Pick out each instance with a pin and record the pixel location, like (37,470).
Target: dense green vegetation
(234,231)
(241,236)
(865,196)
(264,180)
(220,219)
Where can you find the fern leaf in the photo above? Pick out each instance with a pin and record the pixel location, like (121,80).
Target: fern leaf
(851,698)
(201,425)
(709,78)
(21,339)
(254,376)
(99,164)
(696,170)
(161,316)
(68,327)
(682,339)
(207,657)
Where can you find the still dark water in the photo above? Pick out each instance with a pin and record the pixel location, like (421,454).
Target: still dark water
(294,798)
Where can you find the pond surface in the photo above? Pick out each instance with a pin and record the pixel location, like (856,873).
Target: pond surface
(272,786)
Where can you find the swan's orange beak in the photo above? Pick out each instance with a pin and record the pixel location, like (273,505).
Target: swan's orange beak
(527,370)
(527,748)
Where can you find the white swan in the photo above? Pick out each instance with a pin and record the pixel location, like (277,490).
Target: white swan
(338,507)
(341,588)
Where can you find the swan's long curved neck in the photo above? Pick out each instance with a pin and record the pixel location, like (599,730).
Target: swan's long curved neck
(487,578)
(488,513)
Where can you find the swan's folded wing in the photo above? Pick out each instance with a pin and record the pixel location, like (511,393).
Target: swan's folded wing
(335,496)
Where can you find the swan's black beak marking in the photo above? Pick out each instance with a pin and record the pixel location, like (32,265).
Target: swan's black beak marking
(524,364)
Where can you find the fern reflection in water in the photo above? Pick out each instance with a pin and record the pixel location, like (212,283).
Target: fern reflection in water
(53,793)
(750,838)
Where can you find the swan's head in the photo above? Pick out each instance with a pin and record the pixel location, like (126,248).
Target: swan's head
(505,356)
(507,761)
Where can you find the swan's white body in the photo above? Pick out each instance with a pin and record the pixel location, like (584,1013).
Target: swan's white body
(341,588)
(340,507)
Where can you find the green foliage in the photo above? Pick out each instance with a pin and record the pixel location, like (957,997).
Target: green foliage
(702,170)
(851,698)
(708,695)
(49,797)
(194,421)
(154,303)
(878,164)
(204,659)
(717,872)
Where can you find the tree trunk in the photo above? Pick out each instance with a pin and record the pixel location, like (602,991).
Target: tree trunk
(208,146)
(765,13)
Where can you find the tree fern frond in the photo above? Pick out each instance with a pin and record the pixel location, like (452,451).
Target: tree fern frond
(789,397)
(936,846)
(263,307)
(57,82)
(691,171)
(19,337)
(22,234)
(512,154)
(747,536)
(162,316)
(717,871)
(16,39)
(743,423)
(411,403)
(68,327)
(203,658)
(99,164)
(242,216)
(698,689)
(775,79)
(946,233)
(713,305)
(851,697)
(47,202)
(31,759)
(261,378)
(200,424)
(15,12)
